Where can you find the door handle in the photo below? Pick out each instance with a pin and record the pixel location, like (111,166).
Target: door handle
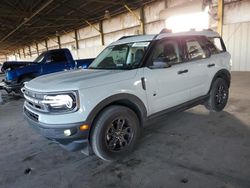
(210,65)
(182,71)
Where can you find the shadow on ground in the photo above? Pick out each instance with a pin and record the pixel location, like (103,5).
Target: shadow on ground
(190,149)
(7,97)
(198,150)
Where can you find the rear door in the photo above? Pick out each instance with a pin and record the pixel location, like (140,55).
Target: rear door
(198,62)
(218,51)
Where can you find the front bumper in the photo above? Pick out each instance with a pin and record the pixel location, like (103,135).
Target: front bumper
(78,140)
(10,86)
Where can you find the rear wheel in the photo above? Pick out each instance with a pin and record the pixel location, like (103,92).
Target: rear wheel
(115,133)
(218,96)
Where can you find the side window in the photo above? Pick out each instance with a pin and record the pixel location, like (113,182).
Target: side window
(57,56)
(168,51)
(217,43)
(136,52)
(194,49)
(210,46)
(119,55)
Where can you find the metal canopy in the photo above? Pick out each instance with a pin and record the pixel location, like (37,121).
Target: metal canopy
(23,22)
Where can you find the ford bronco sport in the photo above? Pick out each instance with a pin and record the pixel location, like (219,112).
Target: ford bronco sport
(103,108)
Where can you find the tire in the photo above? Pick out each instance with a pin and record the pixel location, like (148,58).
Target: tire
(218,96)
(18,90)
(115,133)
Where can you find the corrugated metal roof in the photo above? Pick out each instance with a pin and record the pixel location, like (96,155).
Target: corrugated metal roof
(25,21)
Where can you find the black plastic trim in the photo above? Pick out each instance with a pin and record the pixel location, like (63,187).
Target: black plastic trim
(57,133)
(143,83)
(125,99)
(181,107)
(223,73)
(77,141)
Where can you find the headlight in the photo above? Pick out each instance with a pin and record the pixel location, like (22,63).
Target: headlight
(60,102)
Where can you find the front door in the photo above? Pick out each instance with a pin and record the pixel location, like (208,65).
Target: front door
(166,87)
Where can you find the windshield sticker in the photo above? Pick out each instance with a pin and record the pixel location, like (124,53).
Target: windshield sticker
(141,44)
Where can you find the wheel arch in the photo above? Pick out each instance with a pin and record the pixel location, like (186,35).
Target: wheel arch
(127,100)
(224,74)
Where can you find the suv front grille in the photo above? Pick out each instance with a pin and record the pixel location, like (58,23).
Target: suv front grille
(33,100)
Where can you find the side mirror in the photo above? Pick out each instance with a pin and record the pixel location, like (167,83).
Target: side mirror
(161,63)
(48,60)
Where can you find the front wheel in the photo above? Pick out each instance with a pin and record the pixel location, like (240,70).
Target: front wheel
(115,133)
(218,96)
(22,82)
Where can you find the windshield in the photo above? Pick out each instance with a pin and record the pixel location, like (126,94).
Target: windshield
(40,57)
(123,56)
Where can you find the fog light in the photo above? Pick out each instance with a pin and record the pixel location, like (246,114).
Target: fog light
(67,132)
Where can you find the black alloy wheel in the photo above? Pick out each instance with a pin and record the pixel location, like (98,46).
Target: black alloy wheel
(119,135)
(115,132)
(218,95)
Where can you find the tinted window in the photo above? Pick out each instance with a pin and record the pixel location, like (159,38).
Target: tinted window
(168,51)
(40,57)
(194,49)
(57,56)
(210,46)
(217,43)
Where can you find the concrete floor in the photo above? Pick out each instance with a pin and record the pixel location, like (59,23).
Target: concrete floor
(192,149)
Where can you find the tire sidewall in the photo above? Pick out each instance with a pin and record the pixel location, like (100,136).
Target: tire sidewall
(26,79)
(104,120)
(218,82)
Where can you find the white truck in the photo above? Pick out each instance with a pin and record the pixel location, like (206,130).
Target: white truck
(102,109)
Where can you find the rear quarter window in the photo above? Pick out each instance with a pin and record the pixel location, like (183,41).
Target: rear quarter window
(218,43)
(210,46)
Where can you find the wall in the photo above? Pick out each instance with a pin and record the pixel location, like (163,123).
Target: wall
(236,34)
(237,12)
(237,40)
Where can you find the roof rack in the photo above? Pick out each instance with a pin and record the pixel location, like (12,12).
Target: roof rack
(209,29)
(165,30)
(124,37)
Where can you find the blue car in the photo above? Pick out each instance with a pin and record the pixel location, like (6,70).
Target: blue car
(18,72)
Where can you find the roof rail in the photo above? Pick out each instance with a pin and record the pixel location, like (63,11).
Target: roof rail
(165,30)
(124,37)
(209,29)
(193,29)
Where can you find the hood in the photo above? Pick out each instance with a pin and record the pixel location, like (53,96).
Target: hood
(78,79)
(15,64)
